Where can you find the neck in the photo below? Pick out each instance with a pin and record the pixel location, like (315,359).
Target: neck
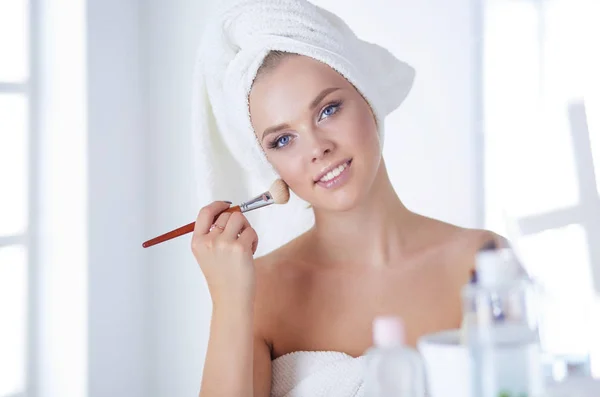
(372,233)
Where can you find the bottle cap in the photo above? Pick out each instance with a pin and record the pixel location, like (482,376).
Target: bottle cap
(388,331)
(497,267)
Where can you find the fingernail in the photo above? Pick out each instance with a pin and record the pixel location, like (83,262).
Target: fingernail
(228,202)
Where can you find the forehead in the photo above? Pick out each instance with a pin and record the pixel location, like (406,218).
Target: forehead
(299,66)
(292,84)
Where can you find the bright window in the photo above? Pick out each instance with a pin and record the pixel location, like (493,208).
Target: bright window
(14,195)
(539,58)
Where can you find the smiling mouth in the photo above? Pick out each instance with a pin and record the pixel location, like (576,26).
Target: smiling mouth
(334,176)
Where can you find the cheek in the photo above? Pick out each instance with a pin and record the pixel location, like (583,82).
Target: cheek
(289,165)
(363,131)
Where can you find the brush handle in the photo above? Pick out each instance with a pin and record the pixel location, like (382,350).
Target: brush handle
(180,231)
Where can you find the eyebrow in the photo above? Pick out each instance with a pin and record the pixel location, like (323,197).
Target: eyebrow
(313,104)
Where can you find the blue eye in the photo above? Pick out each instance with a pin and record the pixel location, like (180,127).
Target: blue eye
(330,110)
(280,142)
(284,140)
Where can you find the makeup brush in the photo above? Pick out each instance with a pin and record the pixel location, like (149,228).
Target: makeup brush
(279,193)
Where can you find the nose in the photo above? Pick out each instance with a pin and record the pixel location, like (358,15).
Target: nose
(321,148)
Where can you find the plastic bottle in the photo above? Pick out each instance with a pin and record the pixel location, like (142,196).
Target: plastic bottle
(392,368)
(501,328)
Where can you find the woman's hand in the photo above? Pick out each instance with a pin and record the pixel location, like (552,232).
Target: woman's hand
(224,249)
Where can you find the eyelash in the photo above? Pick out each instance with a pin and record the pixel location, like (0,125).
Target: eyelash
(336,105)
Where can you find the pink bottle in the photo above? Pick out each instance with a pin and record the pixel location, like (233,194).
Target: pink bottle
(392,368)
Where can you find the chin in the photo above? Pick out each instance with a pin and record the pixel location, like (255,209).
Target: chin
(344,199)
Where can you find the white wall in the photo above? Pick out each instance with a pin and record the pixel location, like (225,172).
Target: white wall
(180,304)
(431,148)
(119,334)
(91,278)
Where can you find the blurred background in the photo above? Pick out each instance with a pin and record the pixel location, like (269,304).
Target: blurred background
(95,158)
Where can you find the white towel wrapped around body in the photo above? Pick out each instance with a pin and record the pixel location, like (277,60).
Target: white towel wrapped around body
(318,374)
(229,160)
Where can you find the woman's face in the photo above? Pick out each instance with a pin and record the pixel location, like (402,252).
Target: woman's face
(317,131)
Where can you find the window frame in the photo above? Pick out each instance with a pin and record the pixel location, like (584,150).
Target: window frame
(28,239)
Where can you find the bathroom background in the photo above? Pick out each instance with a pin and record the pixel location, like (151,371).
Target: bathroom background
(94,159)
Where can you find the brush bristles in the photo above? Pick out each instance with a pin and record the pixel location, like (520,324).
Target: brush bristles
(280,192)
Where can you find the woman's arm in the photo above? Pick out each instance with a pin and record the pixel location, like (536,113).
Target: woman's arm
(223,245)
(238,363)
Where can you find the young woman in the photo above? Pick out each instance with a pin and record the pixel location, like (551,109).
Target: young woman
(366,255)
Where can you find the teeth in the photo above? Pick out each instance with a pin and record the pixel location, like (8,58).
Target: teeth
(333,173)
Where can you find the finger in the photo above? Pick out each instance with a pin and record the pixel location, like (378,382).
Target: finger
(249,239)
(207,215)
(221,222)
(235,225)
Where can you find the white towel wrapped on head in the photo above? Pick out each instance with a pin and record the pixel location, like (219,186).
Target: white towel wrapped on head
(230,162)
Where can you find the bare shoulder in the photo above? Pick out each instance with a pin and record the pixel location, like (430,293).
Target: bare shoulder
(449,235)
(473,240)
(282,260)
(279,275)
(454,248)
(283,270)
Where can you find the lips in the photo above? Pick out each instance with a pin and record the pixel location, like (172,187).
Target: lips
(331,171)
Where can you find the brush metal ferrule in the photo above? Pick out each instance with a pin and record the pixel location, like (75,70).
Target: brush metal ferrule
(259,201)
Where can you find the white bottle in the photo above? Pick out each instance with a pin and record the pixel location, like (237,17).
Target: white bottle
(392,368)
(501,329)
